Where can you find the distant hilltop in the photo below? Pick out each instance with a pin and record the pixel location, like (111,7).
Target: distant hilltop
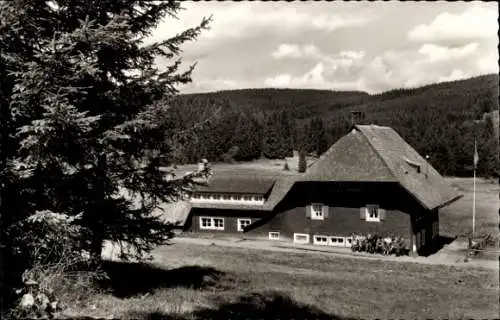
(439,120)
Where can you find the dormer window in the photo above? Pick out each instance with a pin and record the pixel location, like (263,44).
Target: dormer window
(228,198)
(413,164)
(258,198)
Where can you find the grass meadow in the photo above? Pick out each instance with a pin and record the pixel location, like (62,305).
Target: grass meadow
(213,282)
(189,281)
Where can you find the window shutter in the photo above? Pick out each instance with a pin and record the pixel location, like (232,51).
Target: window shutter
(362,213)
(308,211)
(381,214)
(326,211)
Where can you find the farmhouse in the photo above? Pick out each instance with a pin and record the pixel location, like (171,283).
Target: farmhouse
(369,181)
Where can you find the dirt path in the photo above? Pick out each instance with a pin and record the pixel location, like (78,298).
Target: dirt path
(447,256)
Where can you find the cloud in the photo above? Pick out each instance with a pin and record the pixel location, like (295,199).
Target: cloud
(429,64)
(489,63)
(315,78)
(286,50)
(335,45)
(326,70)
(456,74)
(478,22)
(437,53)
(216,84)
(251,19)
(341,59)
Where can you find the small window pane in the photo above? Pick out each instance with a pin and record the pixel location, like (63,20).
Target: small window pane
(219,223)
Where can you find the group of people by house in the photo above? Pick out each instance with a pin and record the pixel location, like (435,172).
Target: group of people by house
(373,243)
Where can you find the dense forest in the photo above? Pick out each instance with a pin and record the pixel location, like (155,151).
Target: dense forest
(439,120)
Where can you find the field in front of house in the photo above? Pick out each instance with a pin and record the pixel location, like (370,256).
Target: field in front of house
(456,219)
(190,281)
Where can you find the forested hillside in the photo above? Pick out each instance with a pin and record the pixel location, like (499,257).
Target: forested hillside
(438,120)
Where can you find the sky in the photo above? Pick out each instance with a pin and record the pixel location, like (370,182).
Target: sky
(366,46)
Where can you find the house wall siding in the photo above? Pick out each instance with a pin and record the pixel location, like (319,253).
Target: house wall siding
(344,201)
(230,219)
(404,216)
(342,221)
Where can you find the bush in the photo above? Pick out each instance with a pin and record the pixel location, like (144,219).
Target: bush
(46,246)
(229,156)
(286,167)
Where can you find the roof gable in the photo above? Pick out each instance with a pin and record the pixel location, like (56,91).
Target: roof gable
(350,159)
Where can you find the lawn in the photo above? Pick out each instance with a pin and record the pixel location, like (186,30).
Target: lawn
(456,219)
(198,282)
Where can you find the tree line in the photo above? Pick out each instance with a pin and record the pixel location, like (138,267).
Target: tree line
(440,121)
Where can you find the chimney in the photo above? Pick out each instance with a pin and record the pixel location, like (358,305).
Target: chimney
(357,117)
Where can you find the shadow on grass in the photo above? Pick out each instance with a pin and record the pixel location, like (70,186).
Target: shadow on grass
(127,279)
(439,244)
(270,305)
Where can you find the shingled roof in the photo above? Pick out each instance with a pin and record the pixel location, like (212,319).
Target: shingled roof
(239,183)
(377,153)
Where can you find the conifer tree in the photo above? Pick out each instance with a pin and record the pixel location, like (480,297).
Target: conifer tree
(81,105)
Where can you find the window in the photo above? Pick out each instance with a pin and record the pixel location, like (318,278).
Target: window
(205,222)
(300,238)
(337,241)
(372,213)
(274,235)
(320,240)
(219,223)
(209,223)
(242,223)
(317,211)
(228,197)
(257,198)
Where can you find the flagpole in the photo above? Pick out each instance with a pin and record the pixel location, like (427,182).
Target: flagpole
(476,159)
(474,204)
